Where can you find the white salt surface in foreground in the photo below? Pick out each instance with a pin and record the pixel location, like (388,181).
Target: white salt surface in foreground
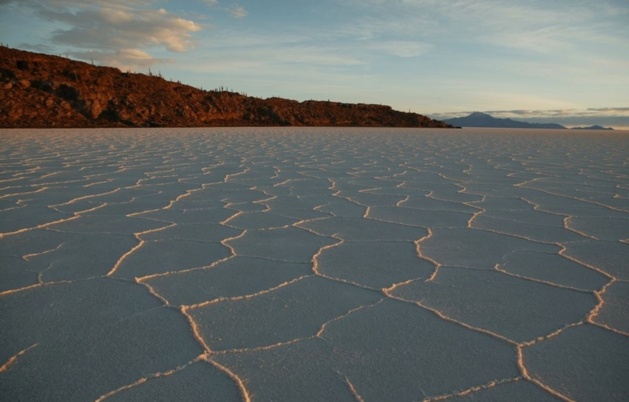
(314,265)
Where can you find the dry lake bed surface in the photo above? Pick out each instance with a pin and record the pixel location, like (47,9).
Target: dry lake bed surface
(321,264)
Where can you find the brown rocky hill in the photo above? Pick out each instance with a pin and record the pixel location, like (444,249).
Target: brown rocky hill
(38,90)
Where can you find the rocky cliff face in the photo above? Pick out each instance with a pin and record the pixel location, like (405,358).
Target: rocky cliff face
(39,90)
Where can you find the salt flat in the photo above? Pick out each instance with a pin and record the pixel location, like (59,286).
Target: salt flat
(315,264)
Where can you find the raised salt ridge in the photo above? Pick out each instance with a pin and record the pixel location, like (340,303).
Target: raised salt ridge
(313,264)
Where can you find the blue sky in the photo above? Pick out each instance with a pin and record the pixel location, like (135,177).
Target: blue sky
(560,60)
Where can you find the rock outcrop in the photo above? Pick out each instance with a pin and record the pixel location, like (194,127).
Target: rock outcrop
(38,90)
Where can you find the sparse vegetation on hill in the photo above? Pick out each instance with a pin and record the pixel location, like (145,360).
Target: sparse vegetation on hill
(40,90)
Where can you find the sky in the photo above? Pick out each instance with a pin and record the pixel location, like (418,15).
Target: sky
(565,61)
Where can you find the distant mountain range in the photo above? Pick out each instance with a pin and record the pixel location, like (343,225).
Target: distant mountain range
(595,127)
(478,119)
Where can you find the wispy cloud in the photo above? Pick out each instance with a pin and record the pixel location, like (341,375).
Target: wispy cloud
(119,33)
(607,111)
(402,48)
(107,28)
(238,12)
(530,25)
(269,55)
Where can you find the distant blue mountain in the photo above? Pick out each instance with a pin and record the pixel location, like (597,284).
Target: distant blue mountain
(478,119)
(595,127)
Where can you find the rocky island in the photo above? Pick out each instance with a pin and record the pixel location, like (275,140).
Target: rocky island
(39,90)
